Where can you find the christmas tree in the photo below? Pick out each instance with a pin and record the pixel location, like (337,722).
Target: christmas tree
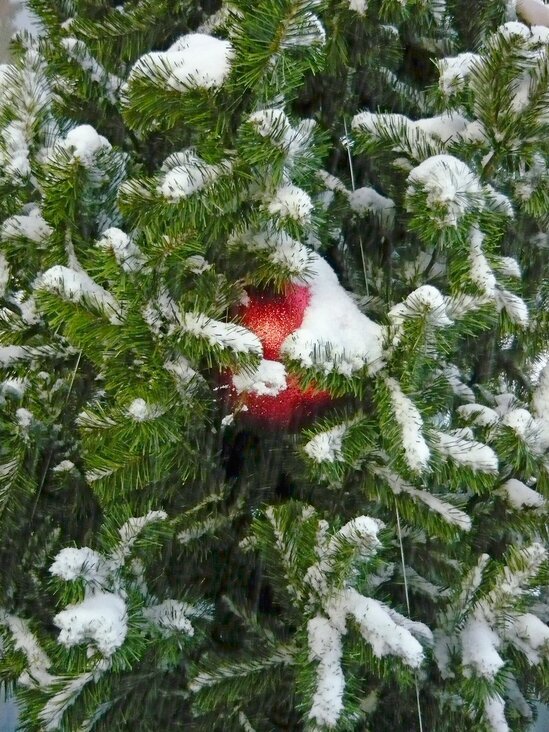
(274,408)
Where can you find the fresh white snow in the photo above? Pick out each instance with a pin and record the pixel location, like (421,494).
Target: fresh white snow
(479,414)
(283,251)
(170,616)
(141,411)
(451,514)
(449,182)
(480,645)
(30,226)
(409,419)
(514,306)
(268,379)
(194,61)
(84,143)
(458,446)
(77,50)
(24,418)
(71,563)
(481,272)
(127,253)
(334,335)
(325,647)
(291,202)
(519,495)
(454,71)
(184,173)
(100,618)
(274,124)
(77,286)
(385,636)
(222,335)
(494,709)
(368,200)
(25,641)
(4,273)
(326,447)
(359,6)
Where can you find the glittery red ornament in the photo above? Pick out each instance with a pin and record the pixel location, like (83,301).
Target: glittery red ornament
(273,317)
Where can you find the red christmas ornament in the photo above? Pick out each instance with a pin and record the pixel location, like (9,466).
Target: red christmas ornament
(273,317)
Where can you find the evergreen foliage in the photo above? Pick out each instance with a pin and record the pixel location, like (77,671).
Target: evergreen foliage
(166,565)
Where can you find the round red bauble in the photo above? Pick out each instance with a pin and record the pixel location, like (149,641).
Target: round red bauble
(273,317)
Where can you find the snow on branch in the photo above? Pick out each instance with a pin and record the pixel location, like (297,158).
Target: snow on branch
(334,335)
(183,173)
(480,645)
(479,414)
(127,253)
(77,286)
(10,355)
(274,124)
(385,636)
(325,591)
(415,138)
(130,530)
(481,272)
(325,647)
(497,618)
(303,29)
(533,432)
(14,151)
(84,143)
(464,451)
(360,534)
(269,378)
(455,70)
(4,273)
(453,376)
(518,495)
(79,52)
(326,447)
(291,202)
(494,709)
(25,641)
(514,306)
(101,618)
(194,61)
(424,302)
(281,249)
(410,422)
(450,187)
(368,200)
(217,333)
(85,563)
(540,398)
(53,710)
(534,12)
(30,226)
(447,511)
(141,411)
(530,635)
(171,616)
